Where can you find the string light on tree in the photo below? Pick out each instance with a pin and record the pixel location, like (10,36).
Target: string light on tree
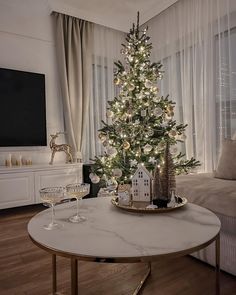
(142,120)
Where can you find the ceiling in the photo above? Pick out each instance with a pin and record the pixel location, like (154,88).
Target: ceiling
(116,14)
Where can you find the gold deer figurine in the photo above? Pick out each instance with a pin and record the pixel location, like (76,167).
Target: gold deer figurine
(60,148)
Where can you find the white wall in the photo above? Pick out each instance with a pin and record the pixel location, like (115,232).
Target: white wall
(27,43)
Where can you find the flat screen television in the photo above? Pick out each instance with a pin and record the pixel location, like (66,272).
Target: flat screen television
(22,109)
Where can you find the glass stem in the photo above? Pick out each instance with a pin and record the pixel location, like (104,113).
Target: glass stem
(77,207)
(53,214)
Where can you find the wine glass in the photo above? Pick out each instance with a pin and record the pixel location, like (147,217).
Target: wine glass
(78,191)
(51,196)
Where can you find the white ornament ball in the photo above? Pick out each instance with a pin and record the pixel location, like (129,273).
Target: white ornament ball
(172,133)
(147,148)
(111,151)
(117,172)
(157,112)
(148,84)
(131,87)
(94,178)
(174,149)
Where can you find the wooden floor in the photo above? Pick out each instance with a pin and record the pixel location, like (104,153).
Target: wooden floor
(26,269)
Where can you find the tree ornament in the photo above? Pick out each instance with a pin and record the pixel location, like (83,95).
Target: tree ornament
(117,81)
(152,160)
(164,124)
(154,89)
(142,76)
(112,184)
(173,149)
(147,148)
(102,137)
(150,133)
(148,84)
(156,99)
(117,172)
(167,117)
(112,151)
(123,51)
(161,145)
(170,115)
(157,112)
(133,163)
(126,145)
(143,113)
(110,114)
(94,178)
(172,133)
(130,58)
(129,113)
(105,143)
(139,95)
(131,87)
(170,108)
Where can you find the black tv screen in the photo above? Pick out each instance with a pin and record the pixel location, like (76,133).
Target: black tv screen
(22,109)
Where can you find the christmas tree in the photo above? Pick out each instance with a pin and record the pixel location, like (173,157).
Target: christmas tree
(140,121)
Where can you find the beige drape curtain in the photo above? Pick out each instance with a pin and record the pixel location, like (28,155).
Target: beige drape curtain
(74,45)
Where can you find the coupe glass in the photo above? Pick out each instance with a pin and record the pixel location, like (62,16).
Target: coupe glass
(78,191)
(51,196)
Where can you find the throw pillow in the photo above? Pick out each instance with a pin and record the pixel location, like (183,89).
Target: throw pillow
(227,163)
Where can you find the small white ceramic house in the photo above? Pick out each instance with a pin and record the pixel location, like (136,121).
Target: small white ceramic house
(141,184)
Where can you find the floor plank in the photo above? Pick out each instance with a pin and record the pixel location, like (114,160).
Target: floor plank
(26,270)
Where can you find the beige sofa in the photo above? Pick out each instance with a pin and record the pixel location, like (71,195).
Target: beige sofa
(219,196)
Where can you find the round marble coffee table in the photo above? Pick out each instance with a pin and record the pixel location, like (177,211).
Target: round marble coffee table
(114,236)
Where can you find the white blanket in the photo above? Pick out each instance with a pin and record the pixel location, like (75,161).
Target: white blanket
(218,195)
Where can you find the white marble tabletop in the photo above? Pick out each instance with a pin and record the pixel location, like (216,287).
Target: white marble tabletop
(112,233)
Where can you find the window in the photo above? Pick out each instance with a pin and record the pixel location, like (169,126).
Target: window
(140,174)
(146,182)
(225,47)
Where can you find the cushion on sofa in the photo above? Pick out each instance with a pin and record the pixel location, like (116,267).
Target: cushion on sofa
(226,168)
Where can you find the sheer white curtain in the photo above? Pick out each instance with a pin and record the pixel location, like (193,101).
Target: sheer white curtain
(196,42)
(106,50)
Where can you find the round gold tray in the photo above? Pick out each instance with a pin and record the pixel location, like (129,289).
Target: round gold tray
(140,207)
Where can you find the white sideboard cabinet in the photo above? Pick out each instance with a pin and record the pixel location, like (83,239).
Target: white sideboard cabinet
(20,186)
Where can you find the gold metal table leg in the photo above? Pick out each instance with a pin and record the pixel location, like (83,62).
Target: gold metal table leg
(54,274)
(144,279)
(74,276)
(217,267)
